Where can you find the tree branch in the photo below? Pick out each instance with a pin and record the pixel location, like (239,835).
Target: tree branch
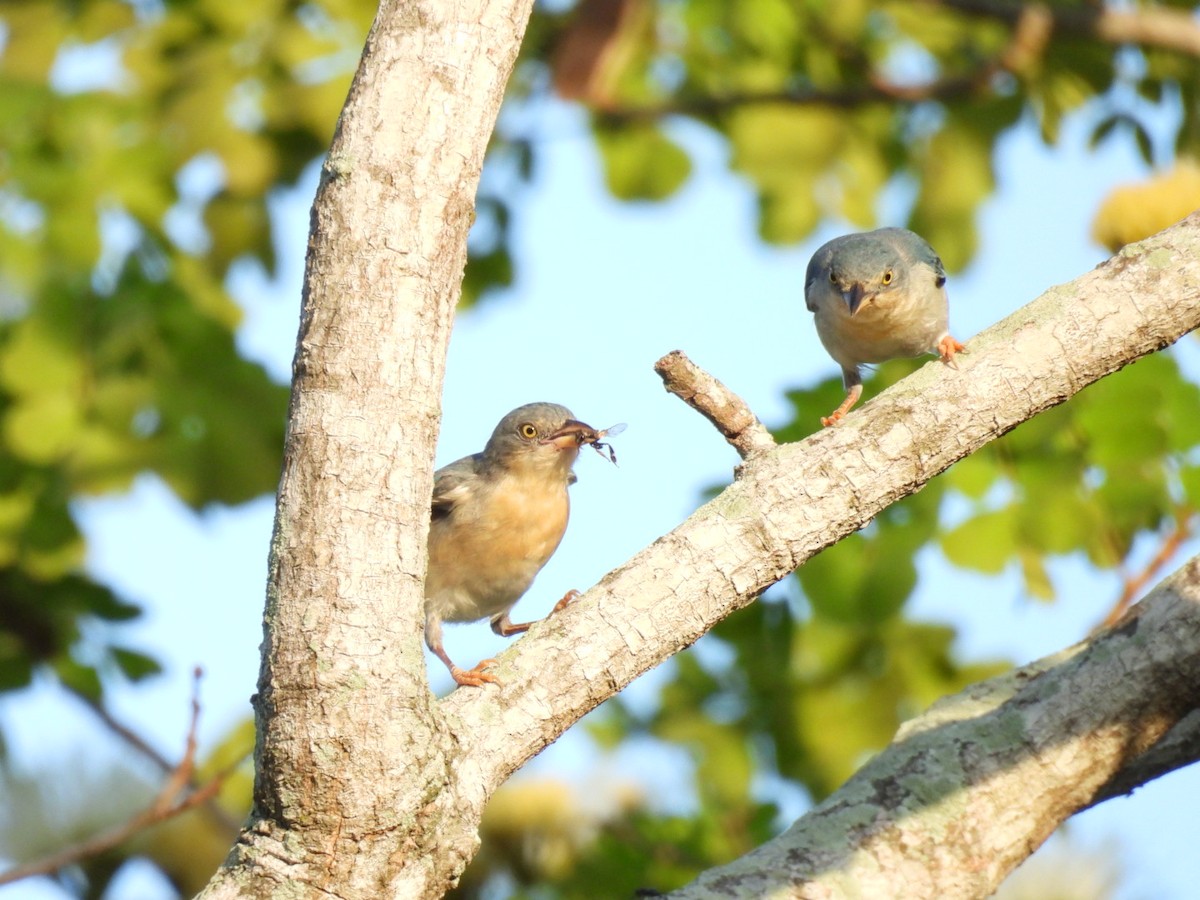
(789,503)
(1143,26)
(139,743)
(1034,26)
(1179,747)
(166,804)
(1134,584)
(877,89)
(998,767)
(726,410)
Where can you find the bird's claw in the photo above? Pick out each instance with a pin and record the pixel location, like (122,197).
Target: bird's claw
(475,677)
(838,414)
(947,347)
(568,598)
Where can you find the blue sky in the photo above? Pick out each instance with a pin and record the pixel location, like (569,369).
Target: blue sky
(604,290)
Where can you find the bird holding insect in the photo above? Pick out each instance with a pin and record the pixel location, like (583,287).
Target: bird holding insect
(497,517)
(877,296)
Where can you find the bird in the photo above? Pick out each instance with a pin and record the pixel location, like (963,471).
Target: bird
(496,519)
(876,296)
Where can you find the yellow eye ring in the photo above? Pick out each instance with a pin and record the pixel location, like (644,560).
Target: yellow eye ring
(887,277)
(528,431)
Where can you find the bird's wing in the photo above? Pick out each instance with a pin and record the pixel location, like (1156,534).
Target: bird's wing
(918,252)
(931,259)
(453,483)
(817,267)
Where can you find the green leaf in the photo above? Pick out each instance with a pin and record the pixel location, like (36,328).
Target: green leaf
(974,475)
(41,357)
(1057,521)
(956,175)
(78,677)
(833,578)
(42,429)
(1037,579)
(769,27)
(486,272)
(134,665)
(1144,142)
(1103,130)
(1189,477)
(788,213)
(641,163)
(985,542)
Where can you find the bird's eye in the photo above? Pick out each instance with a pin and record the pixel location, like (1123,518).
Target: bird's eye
(887,277)
(528,431)
(832,277)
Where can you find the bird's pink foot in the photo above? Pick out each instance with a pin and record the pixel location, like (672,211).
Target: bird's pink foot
(475,677)
(852,395)
(568,598)
(947,347)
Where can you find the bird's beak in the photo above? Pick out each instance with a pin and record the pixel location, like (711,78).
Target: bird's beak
(572,434)
(854,297)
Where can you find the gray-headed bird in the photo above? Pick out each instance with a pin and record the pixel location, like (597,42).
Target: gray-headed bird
(877,296)
(498,516)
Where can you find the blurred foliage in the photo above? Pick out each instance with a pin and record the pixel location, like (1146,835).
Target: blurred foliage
(43,813)
(140,141)
(1136,211)
(139,144)
(823,104)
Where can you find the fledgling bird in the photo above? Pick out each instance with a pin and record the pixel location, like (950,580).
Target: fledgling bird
(497,518)
(877,296)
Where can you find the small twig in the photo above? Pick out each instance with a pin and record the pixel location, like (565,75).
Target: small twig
(121,730)
(721,406)
(876,90)
(167,803)
(139,743)
(1134,584)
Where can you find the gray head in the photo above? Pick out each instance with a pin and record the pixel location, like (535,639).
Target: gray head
(869,266)
(538,435)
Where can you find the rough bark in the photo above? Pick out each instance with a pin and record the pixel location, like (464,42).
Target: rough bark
(354,796)
(969,789)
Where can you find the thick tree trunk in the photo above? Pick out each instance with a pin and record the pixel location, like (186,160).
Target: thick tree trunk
(356,794)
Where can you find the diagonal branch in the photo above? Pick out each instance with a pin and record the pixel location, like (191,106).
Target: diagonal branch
(790,503)
(727,411)
(143,746)
(1135,583)
(1179,747)
(998,767)
(170,801)
(876,90)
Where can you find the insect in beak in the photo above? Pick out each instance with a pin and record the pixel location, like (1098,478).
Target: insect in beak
(600,446)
